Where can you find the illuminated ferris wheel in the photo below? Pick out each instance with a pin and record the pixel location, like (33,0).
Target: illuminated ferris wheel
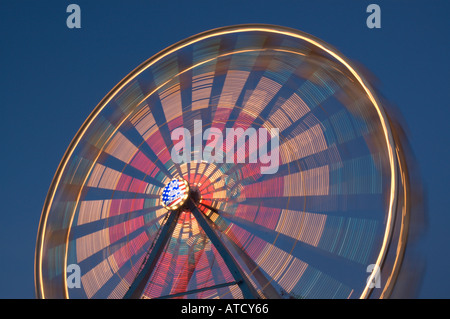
(250,161)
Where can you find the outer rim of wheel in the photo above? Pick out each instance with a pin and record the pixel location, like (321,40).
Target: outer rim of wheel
(188,41)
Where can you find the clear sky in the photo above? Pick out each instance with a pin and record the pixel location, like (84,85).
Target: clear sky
(51,78)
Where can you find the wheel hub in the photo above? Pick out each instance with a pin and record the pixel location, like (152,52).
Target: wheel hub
(175,194)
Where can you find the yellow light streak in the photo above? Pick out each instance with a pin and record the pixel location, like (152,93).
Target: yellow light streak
(178,46)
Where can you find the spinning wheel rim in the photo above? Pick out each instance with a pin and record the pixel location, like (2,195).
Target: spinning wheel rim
(388,136)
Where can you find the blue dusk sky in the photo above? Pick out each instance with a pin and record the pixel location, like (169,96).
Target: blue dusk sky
(51,78)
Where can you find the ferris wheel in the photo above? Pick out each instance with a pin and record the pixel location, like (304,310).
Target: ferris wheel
(251,161)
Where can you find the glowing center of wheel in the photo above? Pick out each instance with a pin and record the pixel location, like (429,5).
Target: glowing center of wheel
(174,194)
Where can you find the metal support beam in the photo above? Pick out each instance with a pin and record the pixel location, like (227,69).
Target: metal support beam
(215,210)
(267,289)
(139,283)
(194,291)
(248,291)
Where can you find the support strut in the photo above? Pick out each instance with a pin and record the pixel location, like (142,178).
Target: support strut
(139,283)
(248,291)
